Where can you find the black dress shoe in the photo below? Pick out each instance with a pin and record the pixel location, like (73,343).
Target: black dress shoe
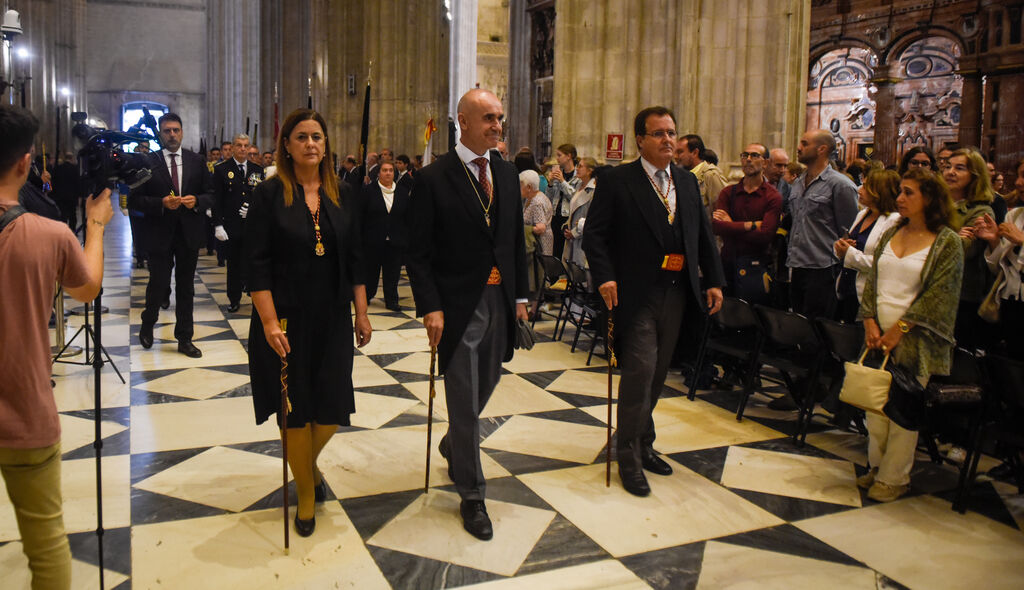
(475,519)
(220,263)
(393,306)
(146,336)
(320,491)
(653,463)
(233,307)
(446,451)
(305,528)
(633,480)
(188,349)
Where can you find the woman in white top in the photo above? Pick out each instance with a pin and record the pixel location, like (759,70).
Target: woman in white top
(878,197)
(1005,256)
(909,305)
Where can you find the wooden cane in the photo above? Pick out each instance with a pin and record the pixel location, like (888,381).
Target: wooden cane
(430,417)
(286,408)
(612,363)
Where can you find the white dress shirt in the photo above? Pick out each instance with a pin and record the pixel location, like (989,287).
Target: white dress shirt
(669,185)
(177,164)
(467,156)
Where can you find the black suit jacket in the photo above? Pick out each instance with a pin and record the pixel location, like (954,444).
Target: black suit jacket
(279,240)
(230,191)
(452,250)
(353,177)
(407,179)
(378,224)
(625,243)
(160,223)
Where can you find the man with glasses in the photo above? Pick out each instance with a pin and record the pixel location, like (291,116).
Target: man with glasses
(746,216)
(944,154)
(648,241)
(692,155)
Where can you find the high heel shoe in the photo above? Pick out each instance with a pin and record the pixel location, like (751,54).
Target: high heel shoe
(320,491)
(305,528)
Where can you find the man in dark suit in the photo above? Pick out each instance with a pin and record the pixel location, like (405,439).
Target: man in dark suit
(233,182)
(350,173)
(173,202)
(403,171)
(66,189)
(385,212)
(647,237)
(467,264)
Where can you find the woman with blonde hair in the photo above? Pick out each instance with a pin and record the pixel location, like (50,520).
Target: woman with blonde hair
(305,265)
(971,191)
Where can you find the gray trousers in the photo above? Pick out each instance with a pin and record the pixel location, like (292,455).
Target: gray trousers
(469,380)
(645,353)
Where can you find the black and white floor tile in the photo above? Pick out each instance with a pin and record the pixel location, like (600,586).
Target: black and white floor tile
(192,489)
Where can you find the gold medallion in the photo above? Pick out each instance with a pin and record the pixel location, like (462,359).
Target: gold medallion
(319,250)
(487,218)
(231,174)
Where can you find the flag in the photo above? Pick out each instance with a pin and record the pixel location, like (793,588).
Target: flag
(428,141)
(364,132)
(202,147)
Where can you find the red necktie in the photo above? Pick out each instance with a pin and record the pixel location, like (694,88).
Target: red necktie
(481,164)
(174,175)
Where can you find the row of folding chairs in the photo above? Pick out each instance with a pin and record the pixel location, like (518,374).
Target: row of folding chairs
(566,285)
(798,347)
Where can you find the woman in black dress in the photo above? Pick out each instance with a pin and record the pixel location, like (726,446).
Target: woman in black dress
(304,264)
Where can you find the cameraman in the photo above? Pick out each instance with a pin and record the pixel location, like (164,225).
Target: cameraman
(36,253)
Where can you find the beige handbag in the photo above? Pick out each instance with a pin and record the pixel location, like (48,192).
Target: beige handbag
(866,388)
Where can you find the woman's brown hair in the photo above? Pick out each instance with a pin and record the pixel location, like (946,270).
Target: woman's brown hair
(286,166)
(979,189)
(938,206)
(884,187)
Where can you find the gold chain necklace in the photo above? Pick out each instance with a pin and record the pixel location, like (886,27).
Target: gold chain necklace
(487,207)
(663,196)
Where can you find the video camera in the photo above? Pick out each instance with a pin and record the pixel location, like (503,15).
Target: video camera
(101,161)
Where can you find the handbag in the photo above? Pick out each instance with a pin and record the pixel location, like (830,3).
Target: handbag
(989,308)
(866,388)
(524,337)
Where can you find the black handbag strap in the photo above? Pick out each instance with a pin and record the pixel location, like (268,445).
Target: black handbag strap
(10,215)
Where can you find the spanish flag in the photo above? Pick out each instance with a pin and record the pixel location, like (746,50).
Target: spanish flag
(428,143)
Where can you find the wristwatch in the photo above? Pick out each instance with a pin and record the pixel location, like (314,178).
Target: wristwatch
(903,326)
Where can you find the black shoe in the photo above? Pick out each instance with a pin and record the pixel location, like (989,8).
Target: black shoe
(653,463)
(475,519)
(393,306)
(633,480)
(1002,472)
(188,349)
(139,264)
(320,491)
(305,528)
(146,336)
(446,452)
(220,263)
(233,307)
(209,252)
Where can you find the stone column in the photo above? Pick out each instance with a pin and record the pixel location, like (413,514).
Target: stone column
(732,71)
(886,125)
(517,104)
(970,108)
(462,61)
(1009,148)
(234,69)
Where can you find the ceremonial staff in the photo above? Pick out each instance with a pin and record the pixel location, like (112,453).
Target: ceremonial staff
(286,408)
(612,363)
(430,416)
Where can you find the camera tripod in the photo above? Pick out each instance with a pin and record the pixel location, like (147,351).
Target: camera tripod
(91,335)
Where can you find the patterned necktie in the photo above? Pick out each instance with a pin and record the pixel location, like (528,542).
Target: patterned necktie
(174,175)
(662,177)
(481,164)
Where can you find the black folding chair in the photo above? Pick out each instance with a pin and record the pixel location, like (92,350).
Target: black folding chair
(583,308)
(792,345)
(554,287)
(734,331)
(1002,424)
(845,343)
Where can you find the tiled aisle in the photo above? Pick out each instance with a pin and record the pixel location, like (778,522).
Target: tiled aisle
(192,485)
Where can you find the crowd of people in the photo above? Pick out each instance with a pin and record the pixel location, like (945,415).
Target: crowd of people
(913,251)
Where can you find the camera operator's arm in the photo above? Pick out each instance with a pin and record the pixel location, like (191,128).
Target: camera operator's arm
(97,214)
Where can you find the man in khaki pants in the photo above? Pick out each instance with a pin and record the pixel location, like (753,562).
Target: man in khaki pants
(35,254)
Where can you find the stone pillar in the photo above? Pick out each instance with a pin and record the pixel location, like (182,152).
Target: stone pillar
(970,109)
(1009,144)
(462,61)
(886,125)
(233,70)
(518,102)
(732,71)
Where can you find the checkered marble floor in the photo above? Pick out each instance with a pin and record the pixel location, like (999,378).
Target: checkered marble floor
(192,489)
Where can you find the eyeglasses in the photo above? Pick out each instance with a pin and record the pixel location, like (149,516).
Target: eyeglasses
(921,163)
(662,134)
(751,155)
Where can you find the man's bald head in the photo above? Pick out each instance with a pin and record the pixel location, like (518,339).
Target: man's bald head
(816,146)
(480,116)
